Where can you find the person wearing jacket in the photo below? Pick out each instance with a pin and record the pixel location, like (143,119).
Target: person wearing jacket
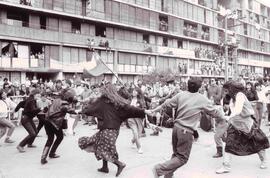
(111,110)
(54,123)
(29,112)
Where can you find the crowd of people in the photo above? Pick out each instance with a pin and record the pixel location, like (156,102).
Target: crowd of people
(234,110)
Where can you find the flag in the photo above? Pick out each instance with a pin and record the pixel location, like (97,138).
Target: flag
(95,67)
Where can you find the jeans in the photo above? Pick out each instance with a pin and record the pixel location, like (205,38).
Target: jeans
(220,134)
(268,110)
(51,131)
(182,143)
(41,120)
(30,127)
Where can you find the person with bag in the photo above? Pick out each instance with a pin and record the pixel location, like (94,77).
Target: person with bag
(111,110)
(30,111)
(243,135)
(55,122)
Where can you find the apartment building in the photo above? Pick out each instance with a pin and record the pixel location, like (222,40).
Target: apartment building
(45,37)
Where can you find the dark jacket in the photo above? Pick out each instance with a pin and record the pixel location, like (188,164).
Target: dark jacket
(30,107)
(108,115)
(57,112)
(20,105)
(251,95)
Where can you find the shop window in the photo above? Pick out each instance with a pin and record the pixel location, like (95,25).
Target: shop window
(100,30)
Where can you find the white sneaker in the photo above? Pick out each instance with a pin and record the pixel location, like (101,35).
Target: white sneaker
(224,169)
(263,165)
(140,151)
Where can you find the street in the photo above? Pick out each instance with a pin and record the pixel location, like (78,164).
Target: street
(75,163)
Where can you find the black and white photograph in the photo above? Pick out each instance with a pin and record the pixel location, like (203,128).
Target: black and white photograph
(134,88)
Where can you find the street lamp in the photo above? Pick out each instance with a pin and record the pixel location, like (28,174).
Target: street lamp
(227,14)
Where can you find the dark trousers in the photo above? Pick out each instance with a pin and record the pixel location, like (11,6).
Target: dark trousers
(30,127)
(41,120)
(182,143)
(268,110)
(51,131)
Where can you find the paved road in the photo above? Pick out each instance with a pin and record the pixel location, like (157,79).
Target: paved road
(75,163)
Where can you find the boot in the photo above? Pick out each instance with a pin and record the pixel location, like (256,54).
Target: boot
(44,155)
(120,167)
(104,168)
(219,153)
(262,157)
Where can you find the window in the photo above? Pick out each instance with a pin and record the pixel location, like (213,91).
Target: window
(76,27)
(190,29)
(205,33)
(163,23)
(245,29)
(18,18)
(42,22)
(100,30)
(180,44)
(146,38)
(165,41)
(250,4)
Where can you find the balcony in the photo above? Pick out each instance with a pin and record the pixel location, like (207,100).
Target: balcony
(22,63)
(72,7)
(14,29)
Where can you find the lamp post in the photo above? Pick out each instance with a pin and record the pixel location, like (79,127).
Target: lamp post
(226,49)
(228,14)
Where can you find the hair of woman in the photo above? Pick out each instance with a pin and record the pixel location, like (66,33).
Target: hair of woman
(109,91)
(233,88)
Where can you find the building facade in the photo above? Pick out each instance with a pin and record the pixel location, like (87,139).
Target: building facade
(134,37)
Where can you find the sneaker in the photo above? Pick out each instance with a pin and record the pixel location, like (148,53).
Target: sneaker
(263,165)
(224,169)
(20,149)
(8,140)
(159,129)
(155,133)
(143,135)
(31,146)
(140,151)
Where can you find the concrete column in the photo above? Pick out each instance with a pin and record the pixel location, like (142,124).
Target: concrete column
(115,66)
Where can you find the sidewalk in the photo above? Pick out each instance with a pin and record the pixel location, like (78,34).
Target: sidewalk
(75,163)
